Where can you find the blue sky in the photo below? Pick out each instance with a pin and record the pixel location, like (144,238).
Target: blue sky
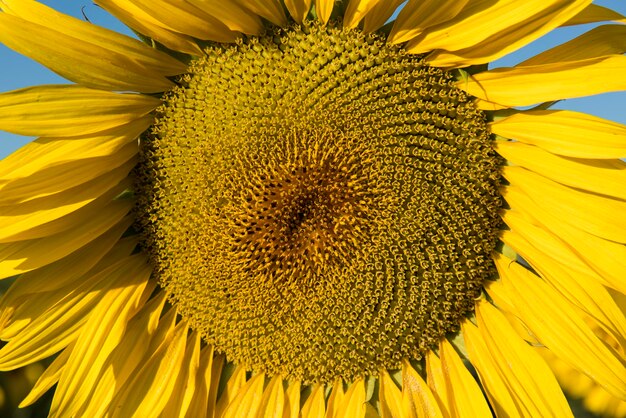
(17,71)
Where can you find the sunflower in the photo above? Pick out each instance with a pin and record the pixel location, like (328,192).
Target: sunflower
(314,208)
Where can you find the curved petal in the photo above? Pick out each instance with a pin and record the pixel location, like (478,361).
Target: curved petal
(233,15)
(596,176)
(595,13)
(271,10)
(314,406)
(528,85)
(68,111)
(185,386)
(248,399)
(79,60)
(552,319)
(564,132)
(418,400)
(380,14)
(48,378)
(324,8)
(356,11)
(298,9)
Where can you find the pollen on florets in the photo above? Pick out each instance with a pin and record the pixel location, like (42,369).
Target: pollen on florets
(319,204)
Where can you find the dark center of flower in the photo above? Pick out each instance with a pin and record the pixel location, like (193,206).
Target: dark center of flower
(319,204)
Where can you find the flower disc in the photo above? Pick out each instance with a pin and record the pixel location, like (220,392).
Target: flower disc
(319,204)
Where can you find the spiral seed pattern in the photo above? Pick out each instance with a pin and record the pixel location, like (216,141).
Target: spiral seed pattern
(319,204)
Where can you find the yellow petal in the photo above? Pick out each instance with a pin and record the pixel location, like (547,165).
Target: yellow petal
(234,385)
(183,17)
(216,373)
(353,404)
(314,407)
(490,374)
(557,325)
(273,400)
(588,295)
(390,396)
(48,379)
(598,215)
(479,21)
(566,133)
(100,335)
(546,17)
(199,403)
(528,85)
(418,15)
(597,176)
(417,399)
(526,374)
(145,395)
(129,355)
(134,17)
(248,399)
(600,41)
(271,10)
(607,258)
(594,13)
(298,9)
(151,59)
(60,325)
(292,400)
(324,8)
(44,153)
(437,382)
(233,15)
(50,215)
(380,14)
(356,11)
(464,396)
(335,399)
(79,60)
(24,256)
(66,110)
(185,387)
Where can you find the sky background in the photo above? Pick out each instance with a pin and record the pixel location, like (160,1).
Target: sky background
(17,71)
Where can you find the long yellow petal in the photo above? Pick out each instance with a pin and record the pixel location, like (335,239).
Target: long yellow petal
(48,378)
(528,85)
(526,374)
(607,258)
(271,10)
(44,153)
(598,215)
(273,400)
(144,395)
(67,110)
(180,400)
(356,11)
(78,60)
(199,403)
(594,13)
(513,37)
(183,17)
(60,325)
(390,397)
(314,406)
(589,296)
(100,335)
(464,396)
(233,15)
(142,331)
(418,15)
(324,8)
(151,59)
(298,9)
(24,256)
(600,41)
(481,20)
(418,400)
(335,399)
(134,17)
(380,14)
(216,372)
(566,133)
(292,400)
(558,326)
(248,399)
(353,405)
(606,177)
(490,374)
(230,392)
(437,383)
